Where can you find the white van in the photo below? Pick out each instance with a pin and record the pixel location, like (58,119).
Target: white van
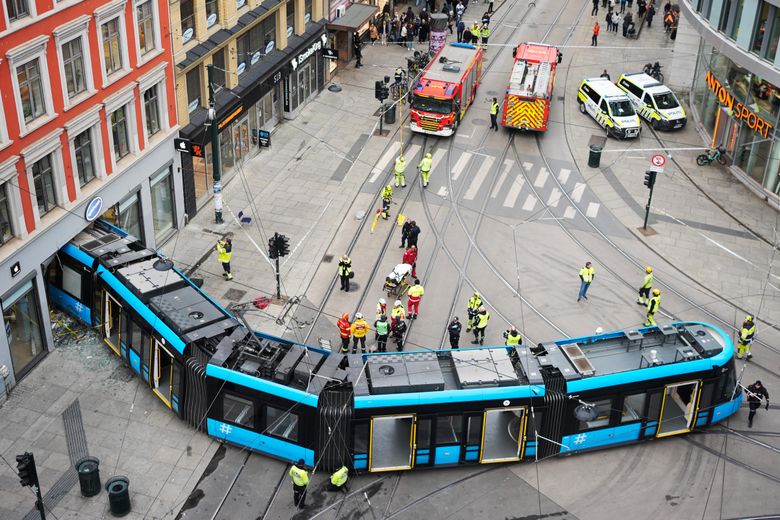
(609,106)
(653,101)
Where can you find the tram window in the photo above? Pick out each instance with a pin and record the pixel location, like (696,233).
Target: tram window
(238,410)
(603,411)
(136,336)
(708,390)
(474,430)
(729,382)
(361,438)
(449,429)
(534,424)
(71,282)
(281,423)
(654,410)
(633,407)
(423,434)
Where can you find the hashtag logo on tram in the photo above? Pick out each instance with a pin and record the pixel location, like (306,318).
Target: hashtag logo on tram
(579,439)
(225,429)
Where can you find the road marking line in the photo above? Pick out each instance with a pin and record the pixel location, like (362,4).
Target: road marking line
(384,161)
(442,192)
(541,179)
(527,166)
(530,203)
(593,209)
(461,165)
(438,155)
(497,187)
(479,178)
(576,193)
(555,197)
(563,176)
(570,212)
(514,192)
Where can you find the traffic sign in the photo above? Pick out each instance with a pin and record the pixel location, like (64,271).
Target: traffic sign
(658,160)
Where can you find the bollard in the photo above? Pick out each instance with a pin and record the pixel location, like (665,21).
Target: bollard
(89,476)
(118,495)
(594,158)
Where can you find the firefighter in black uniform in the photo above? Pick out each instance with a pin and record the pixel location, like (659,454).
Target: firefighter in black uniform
(755,393)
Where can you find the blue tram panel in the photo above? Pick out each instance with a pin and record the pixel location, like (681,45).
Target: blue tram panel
(394,411)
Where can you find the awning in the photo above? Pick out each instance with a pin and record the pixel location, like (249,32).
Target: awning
(355,16)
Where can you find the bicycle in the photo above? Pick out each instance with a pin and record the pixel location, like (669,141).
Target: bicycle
(654,71)
(718,154)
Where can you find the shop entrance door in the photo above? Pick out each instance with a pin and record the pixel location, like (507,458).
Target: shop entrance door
(241,139)
(304,89)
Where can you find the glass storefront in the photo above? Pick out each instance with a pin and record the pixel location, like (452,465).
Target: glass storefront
(303,83)
(127,215)
(23,327)
(751,139)
(162,204)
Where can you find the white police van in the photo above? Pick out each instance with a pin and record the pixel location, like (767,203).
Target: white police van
(609,106)
(653,101)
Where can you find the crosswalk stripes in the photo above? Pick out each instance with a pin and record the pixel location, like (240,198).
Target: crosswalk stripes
(527,166)
(463,160)
(576,193)
(384,161)
(442,192)
(563,175)
(479,178)
(570,212)
(541,179)
(530,203)
(514,191)
(438,155)
(593,210)
(555,198)
(508,163)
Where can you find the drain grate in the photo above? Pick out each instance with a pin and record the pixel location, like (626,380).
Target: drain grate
(234,295)
(327,259)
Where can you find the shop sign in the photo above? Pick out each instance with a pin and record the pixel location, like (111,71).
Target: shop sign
(264,137)
(197,150)
(194,104)
(270,46)
(241,68)
(16,269)
(187,35)
(255,58)
(240,4)
(94,209)
(330,54)
(289,31)
(314,47)
(211,20)
(230,117)
(182,145)
(307,18)
(738,110)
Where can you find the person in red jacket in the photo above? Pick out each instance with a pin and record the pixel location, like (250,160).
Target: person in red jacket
(410,257)
(345,330)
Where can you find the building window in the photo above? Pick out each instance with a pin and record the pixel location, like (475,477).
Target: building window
(218,60)
(127,215)
(152,111)
(736,19)
(145,20)
(112,46)
(17,9)
(73,63)
(212,12)
(290,17)
(269,34)
(31,90)
(23,327)
(724,15)
(162,204)
(43,179)
(771,49)
(307,11)
(193,89)
(82,148)
(758,38)
(120,133)
(6,232)
(187,13)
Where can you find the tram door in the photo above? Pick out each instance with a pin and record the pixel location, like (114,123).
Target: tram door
(112,320)
(678,408)
(503,434)
(391,445)
(162,375)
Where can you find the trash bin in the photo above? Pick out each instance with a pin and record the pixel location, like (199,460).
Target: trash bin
(594,158)
(89,476)
(390,114)
(118,495)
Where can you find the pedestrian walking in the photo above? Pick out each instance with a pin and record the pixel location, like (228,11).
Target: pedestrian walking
(410,258)
(756,392)
(357,48)
(460,9)
(594,41)
(460,28)
(649,16)
(746,335)
(338,480)
(615,22)
(400,171)
(494,115)
(405,233)
(475,302)
(595,10)
(300,479)
(373,33)
(415,294)
(622,6)
(359,331)
(397,313)
(480,324)
(225,253)
(381,308)
(653,304)
(587,274)
(604,3)
(647,284)
(382,328)
(485,34)
(414,234)
(398,330)
(425,168)
(609,21)
(605,74)
(454,329)
(513,337)
(345,271)
(345,331)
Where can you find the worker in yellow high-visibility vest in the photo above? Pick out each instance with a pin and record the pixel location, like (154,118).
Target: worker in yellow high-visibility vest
(300,479)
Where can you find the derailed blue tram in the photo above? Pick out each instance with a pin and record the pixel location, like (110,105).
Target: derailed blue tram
(393,411)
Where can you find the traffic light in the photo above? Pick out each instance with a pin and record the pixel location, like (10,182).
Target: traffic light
(272,252)
(282,245)
(378,89)
(650,178)
(25,466)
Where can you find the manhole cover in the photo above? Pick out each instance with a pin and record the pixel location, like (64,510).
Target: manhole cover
(560,98)
(327,259)
(492,92)
(479,122)
(234,295)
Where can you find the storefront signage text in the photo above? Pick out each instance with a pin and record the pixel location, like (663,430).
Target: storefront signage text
(255,58)
(230,117)
(15,270)
(94,209)
(738,109)
(314,47)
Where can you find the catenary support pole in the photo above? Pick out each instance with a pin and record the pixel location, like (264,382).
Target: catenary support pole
(217,174)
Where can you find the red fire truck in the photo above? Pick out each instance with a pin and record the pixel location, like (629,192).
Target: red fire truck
(445,89)
(528,96)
